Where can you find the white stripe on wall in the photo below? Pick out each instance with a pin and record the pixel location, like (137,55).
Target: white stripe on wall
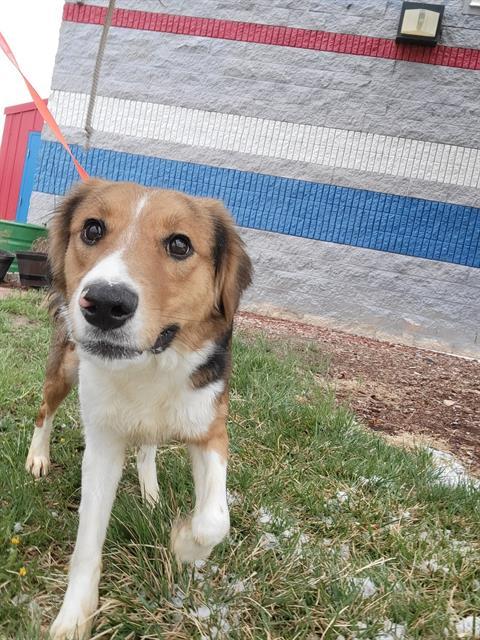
(325,146)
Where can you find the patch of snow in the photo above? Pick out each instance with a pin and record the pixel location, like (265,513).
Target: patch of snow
(203,570)
(303,538)
(178,598)
(373,481)
(238,586)
(268,541)
(222,627)
(391,631)
(451,472)
(233,498)
(198,574)
(222,610)
(225,626)
(366,586)
(344,552)
(265,516)
(177,617)
(327,521)
(203,612)
(463,548)
(432,566)
(423,535)
(468,627)
(20,598)
(18,527)
(342,496)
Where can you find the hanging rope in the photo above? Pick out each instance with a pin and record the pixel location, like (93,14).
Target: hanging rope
(96,73)
(42,108)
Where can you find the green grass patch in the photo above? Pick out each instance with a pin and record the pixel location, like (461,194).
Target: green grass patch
(334,532)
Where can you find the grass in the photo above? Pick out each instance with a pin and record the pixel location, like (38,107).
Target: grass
(355,534)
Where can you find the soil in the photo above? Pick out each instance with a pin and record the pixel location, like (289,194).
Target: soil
(410,394)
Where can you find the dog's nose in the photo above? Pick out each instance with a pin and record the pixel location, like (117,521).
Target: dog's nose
(108,306)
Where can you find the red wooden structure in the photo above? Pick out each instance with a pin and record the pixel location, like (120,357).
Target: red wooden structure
(20,120)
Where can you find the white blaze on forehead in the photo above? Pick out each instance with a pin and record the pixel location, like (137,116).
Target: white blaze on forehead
(137,210)
(141,202)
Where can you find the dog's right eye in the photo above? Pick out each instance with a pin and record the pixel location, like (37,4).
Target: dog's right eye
(93,231)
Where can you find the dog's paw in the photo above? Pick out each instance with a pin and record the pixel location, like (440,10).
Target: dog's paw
(37,464)
(195,537)
(71,624)
(210,527)
(74,620)
(183,544)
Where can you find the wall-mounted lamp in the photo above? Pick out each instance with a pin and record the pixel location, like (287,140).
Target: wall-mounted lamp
(420,23)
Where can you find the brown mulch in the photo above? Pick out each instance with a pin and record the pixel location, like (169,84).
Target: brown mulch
(396,389)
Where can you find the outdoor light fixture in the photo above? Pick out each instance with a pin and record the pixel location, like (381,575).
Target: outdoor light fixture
(420,23)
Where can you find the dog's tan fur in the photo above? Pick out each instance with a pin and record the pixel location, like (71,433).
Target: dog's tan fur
(201,296)
(198,297)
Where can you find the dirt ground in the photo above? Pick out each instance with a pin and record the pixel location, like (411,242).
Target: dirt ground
(410,394)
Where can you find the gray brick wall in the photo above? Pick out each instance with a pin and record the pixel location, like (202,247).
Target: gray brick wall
(397,98)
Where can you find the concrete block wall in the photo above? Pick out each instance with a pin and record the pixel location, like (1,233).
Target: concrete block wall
(352,164)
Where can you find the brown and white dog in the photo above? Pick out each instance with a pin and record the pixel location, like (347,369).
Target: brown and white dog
(148,282)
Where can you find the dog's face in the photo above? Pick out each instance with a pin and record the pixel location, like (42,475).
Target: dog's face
(139,268)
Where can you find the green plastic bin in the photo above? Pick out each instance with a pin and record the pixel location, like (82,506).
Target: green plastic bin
(18,236)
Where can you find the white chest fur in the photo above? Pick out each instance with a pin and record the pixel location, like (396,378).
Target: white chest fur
(149,400)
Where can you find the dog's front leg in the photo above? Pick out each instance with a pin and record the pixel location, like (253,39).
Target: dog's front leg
(147,474)
(194,538)
(101,472)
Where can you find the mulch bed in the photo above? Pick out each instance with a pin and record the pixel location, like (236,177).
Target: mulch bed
(397,389)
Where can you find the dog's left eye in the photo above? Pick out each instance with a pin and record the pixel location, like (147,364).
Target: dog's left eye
(92,231)
(179,247)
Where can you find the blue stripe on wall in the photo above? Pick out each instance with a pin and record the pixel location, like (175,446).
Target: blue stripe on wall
(381,221)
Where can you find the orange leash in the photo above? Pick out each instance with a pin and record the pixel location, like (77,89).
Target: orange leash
(43,109)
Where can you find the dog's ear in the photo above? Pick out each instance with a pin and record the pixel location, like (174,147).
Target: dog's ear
(59,232)
(233,268)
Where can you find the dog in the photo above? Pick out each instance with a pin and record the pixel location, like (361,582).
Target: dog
(145,285)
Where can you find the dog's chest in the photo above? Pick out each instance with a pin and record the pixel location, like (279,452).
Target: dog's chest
(148,403)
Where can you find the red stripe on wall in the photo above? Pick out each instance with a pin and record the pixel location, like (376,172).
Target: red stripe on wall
(388,49)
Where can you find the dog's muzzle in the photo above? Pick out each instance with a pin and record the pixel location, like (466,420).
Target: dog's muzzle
(108,306)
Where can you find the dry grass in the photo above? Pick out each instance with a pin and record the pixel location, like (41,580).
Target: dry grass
(335,533)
